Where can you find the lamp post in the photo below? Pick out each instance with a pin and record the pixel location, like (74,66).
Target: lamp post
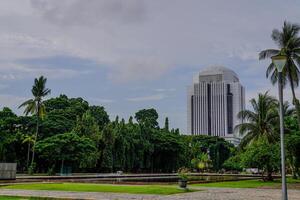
(279,61)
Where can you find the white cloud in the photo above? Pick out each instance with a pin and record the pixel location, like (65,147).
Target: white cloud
(154,97)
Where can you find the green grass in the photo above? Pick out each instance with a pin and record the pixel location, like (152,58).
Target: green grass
(11,198)
(250,184)
(85,187)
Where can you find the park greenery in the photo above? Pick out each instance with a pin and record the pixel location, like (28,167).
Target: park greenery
(260,128)
(260,146)
(80,136)
(252,183)
(147,189)
(150,189)
(90,187)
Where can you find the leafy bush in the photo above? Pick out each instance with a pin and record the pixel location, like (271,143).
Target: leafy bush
(233,163)
(262,155)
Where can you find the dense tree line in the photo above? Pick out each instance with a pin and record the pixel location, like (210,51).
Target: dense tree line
(260,147)
(75,134)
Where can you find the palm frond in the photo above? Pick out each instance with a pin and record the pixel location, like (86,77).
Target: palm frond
(29,105)
(268,53)
(261,121)
(29,101)
(246,115)
(247,140)
(277,37)
(42,111)
(270,69)
(30,109)
(39,89)
(36,106)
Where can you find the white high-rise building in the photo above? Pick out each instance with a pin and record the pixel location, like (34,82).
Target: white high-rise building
(214,100)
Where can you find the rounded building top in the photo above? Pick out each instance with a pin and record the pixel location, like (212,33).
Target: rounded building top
(216,73)
(212,70)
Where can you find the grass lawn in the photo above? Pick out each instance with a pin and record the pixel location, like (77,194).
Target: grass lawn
(292,183)
(11,198)
(86,187)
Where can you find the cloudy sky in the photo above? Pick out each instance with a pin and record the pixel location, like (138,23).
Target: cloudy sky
(133,54)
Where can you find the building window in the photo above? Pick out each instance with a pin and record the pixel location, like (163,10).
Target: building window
(229,110)
(192,114)
(209,108)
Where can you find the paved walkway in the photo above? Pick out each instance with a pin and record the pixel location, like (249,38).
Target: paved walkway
(205,194)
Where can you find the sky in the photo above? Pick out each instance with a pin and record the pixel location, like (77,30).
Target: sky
(128,55)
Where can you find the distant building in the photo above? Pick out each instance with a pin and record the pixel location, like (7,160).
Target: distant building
(214,100)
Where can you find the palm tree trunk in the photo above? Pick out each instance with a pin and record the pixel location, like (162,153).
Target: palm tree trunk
(269,176)
(35,139)
(36,132)
(297,106)
(295,100)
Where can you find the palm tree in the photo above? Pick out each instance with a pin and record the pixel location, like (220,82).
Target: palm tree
(29,139)
(288,42)
(261,122)
(36,105)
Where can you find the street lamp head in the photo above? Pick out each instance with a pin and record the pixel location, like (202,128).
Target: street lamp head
(279,61)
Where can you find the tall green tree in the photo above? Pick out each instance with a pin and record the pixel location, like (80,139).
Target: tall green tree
(68,148)
(292,145)
(293,153)
(100,115)
(147,118)
(87,126)
(7,135)
(166,124)
(260,121)
(36,106)
(263,155)
(108,140)
(219,149)
(288,42)
(62,115)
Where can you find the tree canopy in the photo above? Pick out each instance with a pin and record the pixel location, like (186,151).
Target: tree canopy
(81,136)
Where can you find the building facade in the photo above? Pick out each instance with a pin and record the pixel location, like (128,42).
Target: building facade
(214,100)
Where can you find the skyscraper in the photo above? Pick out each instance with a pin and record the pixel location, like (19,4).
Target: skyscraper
(214,100)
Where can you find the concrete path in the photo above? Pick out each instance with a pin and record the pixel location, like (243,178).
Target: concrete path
(205,194)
